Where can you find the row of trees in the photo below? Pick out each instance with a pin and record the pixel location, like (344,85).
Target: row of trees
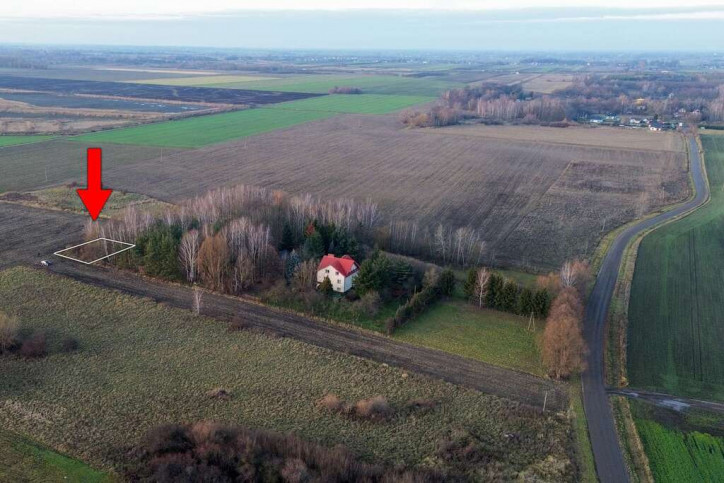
(563,346)
(486,288)
(564,349)
(463,246)
(695,97)
(435,284)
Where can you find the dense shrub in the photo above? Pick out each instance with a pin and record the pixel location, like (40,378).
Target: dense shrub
(326,286)
(237,323)
(374,274)
(446,283)
(435,285)
(370,304)
(374,409)
(212,452)
(219,393)
(169,438)
(331,402)
(345,90)
(8,332)
(158,250)
(69,344)
(35,346)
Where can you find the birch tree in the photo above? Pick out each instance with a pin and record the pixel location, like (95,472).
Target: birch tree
(189,253)
(481,284)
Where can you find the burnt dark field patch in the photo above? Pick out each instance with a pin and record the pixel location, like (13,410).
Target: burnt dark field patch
(150,91)
(43,99)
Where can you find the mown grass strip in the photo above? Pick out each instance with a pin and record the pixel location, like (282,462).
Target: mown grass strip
(24,460)
(204,130)
(9,140)
(485,335)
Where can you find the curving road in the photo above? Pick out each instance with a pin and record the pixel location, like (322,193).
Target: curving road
(607,454)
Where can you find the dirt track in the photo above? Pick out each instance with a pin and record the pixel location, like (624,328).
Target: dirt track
(668,401)
(489,379)
(28,235)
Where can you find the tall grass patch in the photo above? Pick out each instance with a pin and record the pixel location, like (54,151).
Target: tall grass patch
(140,364)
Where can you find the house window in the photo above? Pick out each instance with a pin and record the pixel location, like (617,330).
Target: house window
(336,273)
(326,270)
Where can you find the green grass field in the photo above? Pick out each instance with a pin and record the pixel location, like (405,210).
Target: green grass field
(9,140)
(370,84)
(676,332)
(23,460)
(204,130)
(141,364)
(679,456)
(486,335)
(354,103)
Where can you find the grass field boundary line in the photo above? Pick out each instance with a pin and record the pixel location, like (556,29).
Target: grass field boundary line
(49,138)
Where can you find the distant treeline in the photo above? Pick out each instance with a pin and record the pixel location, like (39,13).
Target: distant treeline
(692,98)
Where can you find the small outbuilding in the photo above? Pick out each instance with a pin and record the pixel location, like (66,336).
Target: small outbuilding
(340,270)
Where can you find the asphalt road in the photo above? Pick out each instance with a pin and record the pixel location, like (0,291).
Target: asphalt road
(607,454)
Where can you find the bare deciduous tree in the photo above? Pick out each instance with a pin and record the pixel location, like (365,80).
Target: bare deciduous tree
(197,295)
(213,261)
(568,276)
(481,284)
(563,345)
(305,276)
(189,253)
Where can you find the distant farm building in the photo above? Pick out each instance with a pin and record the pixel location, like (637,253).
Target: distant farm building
(340,270)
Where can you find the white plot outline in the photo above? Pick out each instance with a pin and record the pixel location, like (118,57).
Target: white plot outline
(58,253)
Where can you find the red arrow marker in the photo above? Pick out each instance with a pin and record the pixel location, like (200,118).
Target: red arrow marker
(94,197)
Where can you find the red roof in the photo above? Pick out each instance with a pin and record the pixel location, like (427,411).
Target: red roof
(344,265)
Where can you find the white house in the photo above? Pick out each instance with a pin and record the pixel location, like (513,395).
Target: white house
(341,271)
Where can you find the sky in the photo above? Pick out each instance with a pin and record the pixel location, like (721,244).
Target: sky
(541,25)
